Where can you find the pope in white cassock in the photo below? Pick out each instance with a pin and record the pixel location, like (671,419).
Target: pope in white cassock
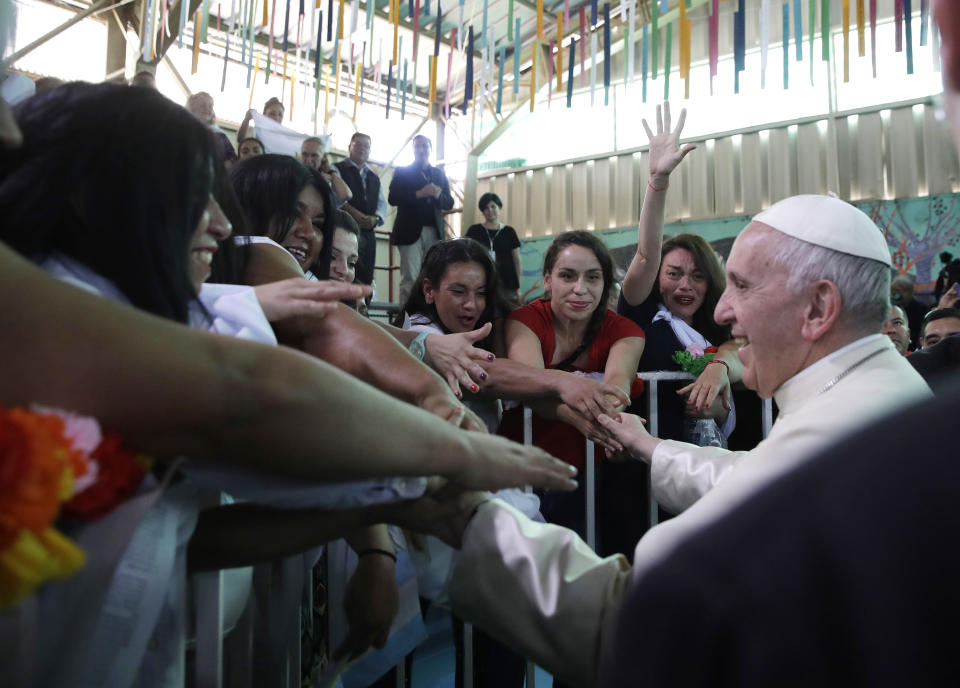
(808,284)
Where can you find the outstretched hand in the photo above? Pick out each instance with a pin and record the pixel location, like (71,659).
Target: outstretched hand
(299,296)
(591,397)
(665,150)
(629,431)
(491,462)
(443,511)
(455,357)
(702,392)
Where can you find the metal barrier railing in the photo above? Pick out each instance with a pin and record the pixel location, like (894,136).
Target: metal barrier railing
(208,587)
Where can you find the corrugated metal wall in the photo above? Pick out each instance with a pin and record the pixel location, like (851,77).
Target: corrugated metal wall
(885,153)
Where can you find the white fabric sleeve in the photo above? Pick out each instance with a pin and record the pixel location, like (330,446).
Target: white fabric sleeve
(682,473)
(540,589)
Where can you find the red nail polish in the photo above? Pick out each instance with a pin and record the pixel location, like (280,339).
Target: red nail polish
(473,388)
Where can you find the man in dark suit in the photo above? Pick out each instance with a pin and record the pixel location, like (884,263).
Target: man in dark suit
(367,205)
(421,193)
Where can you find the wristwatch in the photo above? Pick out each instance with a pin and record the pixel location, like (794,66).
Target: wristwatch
(418,346)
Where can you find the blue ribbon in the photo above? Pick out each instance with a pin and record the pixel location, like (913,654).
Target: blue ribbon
(908,18)
(643,60)
(593,12)
(503,58)
(439,28)
(389,84)
(573,57)
(329,18)
(516,57)
(286,27)
(798,27)
(786,46)
(316,58)
(739,46)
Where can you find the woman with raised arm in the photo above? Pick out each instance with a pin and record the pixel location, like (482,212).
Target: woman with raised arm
(670,290)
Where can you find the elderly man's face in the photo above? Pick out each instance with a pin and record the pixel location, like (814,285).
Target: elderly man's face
(896,329)
(760,309)
(937,330)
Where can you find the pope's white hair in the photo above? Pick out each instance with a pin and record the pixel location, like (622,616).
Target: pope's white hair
(863,283)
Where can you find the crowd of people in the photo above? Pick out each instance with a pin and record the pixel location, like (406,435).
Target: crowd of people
(207,305)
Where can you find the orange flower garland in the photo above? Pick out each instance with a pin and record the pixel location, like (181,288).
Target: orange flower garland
(43,468)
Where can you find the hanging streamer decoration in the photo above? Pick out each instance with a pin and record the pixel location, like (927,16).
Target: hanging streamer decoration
(739,45)
(416,28)
(812,22)
(684,27)
(196,42)
(593,13)
(861,29)
(540,19)
(593,66)
(631,40)
(764,40)
(485,42)
(329,20)
(533,74)
(583,43)
(924,17)
(436,38)
(468,83)
(845,22)
(273,17)
(908,12)
(825,29)
(786,45)
(516,57)
(433,75)
(573,53)
(898,18)
(183,22)
(643,60)
(606,53)
(503,58)
(553,44)
(667,54)
(655,37)
(446,94)
(713,29)
(873,36)
(510,20)
(559,51)
(798,27)
(389,80)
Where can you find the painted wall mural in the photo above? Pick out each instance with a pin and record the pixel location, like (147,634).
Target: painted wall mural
(917,230)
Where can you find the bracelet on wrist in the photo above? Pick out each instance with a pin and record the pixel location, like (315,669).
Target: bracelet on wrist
(657,188)
(723,363)
(377,550)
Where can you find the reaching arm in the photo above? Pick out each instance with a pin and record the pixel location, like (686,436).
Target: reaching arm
(665,154)
(244,127)
(715,380)
(171,391)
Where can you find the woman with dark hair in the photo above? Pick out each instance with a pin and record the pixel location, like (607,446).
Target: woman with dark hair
(502,243)
(572,330)
(250,147)
(671,290)
(286,205)
(345,248)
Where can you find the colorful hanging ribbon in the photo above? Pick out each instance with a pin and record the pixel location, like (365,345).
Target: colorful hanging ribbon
(825,28)
(436,38)
(739,45)
(908,16)
(631,41)
(606,53)
(553,44)
(655,37)
(667,54)
(468,83)
(898,19)
(786,46)
(764,39)
(559,51)
(416,28)
(446,95)
(593,65)
(873,36)
(573,53)
(516,57)
(713,32)
(861,29)
(389,81)
(583,42)
(845,22)
(643,60)
(533,74)
(924,18)
(540,20)
(503,58)
(798,28)
(510,20)
(684,28)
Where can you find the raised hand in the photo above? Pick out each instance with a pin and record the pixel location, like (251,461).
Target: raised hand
(455,357)
(702,392)
(665,150)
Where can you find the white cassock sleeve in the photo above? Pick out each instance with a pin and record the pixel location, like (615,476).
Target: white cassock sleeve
(682,473)
(540,589)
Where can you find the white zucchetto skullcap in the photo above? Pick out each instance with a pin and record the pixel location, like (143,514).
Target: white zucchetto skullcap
(829,222)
